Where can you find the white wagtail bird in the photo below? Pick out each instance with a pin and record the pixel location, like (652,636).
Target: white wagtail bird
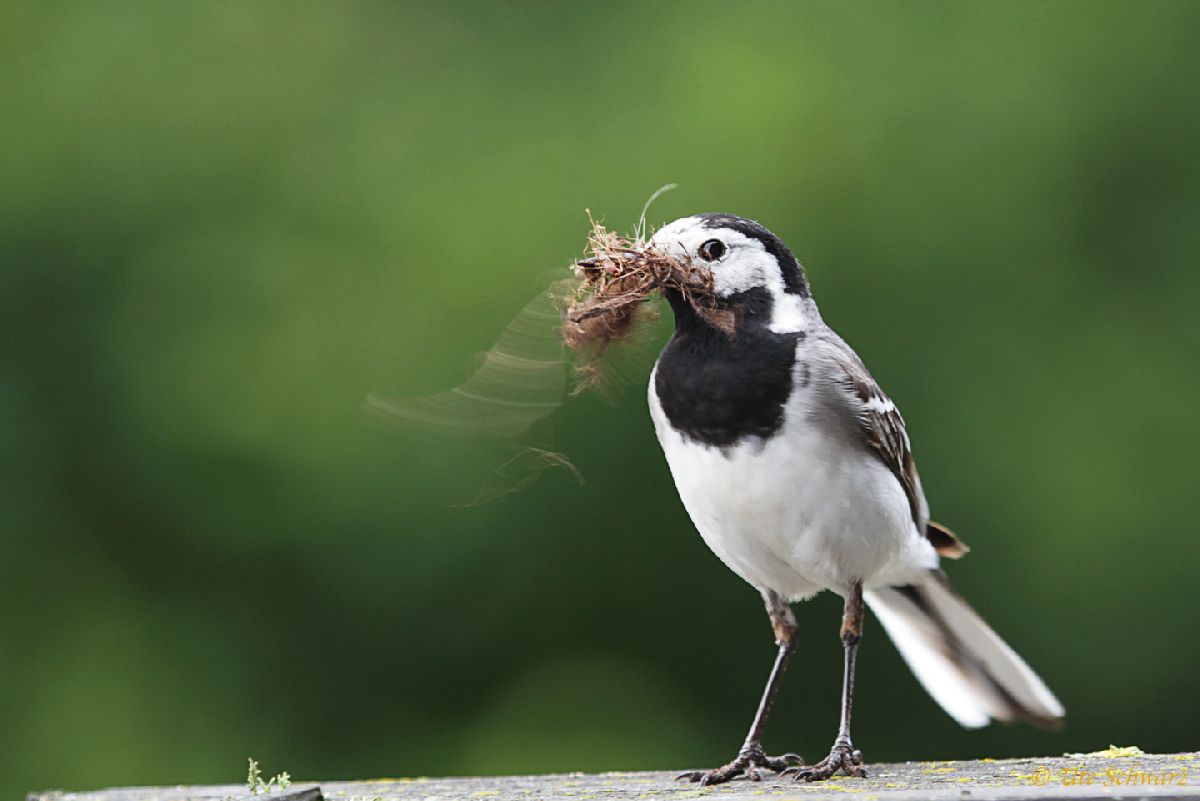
(797,470)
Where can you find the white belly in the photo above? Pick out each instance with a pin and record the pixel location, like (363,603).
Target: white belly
(802,512)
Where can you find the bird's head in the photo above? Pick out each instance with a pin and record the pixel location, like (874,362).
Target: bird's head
(752,270)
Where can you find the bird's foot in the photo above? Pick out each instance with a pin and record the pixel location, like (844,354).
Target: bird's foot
(748,763)
(844,757)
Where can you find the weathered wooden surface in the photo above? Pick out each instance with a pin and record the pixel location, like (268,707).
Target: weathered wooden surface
(1158,776)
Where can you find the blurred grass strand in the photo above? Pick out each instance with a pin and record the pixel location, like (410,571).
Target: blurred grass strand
(522,380)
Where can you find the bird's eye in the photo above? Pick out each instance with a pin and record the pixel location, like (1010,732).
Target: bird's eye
(712,250)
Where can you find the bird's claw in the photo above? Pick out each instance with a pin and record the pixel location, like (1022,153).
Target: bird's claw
(748,763)
(844,758)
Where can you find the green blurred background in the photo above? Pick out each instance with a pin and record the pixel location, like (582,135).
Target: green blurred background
(225,223)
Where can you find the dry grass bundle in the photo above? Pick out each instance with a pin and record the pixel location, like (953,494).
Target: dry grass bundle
(618,276)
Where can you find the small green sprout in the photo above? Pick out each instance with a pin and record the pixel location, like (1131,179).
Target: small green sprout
(256,785)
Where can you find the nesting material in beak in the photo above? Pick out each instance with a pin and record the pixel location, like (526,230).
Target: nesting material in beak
(619,275)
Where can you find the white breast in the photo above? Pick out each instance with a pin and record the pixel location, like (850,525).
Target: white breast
(803,511)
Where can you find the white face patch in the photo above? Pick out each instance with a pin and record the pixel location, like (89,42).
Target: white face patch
(746,265)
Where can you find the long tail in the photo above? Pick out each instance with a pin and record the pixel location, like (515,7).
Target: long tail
(973,674)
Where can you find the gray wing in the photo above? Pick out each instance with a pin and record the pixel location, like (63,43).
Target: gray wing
(877,420)
(883,430)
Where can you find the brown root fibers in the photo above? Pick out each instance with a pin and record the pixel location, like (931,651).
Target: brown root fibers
(619,275)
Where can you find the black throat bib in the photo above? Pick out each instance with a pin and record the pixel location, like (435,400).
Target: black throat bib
(719,390)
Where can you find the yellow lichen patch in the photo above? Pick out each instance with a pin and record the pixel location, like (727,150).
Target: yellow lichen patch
(485,793)
(938,770)
(987,759)
(1112,752)
(1031,778)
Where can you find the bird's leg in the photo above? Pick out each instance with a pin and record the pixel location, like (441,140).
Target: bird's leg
(751,756)
(844,757)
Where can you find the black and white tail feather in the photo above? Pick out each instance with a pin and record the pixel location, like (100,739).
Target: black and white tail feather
(972,673)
